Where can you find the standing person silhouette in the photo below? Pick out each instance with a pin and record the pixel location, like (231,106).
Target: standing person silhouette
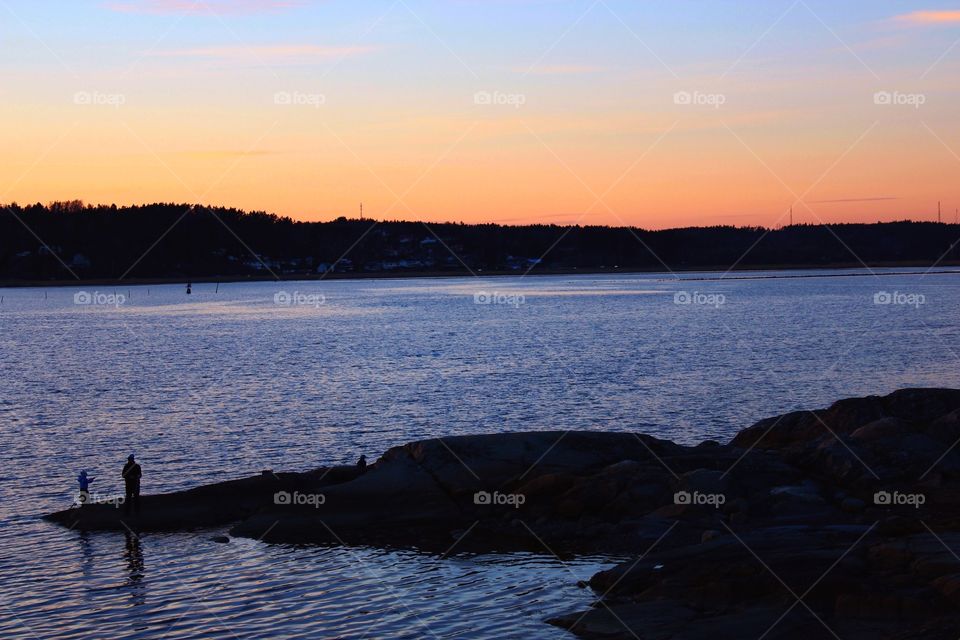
(131,481)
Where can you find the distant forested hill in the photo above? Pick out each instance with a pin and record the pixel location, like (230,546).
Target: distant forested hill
(56,241)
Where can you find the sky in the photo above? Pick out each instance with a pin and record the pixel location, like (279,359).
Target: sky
(653,113)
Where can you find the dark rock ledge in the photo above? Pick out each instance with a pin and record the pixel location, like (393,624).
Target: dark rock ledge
(842,522)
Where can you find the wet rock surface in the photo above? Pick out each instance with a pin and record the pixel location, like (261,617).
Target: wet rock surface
(838,522)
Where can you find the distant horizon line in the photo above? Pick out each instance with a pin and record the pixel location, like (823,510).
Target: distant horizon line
(342,217)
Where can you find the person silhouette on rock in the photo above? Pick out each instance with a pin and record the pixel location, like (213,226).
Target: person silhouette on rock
(131,481)
(362,463)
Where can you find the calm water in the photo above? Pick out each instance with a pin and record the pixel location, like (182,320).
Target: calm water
(295,375)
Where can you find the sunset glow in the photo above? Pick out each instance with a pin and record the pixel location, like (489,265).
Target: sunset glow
(509,111)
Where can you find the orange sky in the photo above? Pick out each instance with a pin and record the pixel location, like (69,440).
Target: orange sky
(596,116)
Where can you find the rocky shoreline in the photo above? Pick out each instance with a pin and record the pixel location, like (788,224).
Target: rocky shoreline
(841,522)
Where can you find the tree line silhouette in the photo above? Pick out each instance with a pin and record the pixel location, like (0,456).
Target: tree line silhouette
(166,240)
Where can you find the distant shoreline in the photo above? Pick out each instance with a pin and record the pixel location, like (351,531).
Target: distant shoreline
(725,274)
(91,245)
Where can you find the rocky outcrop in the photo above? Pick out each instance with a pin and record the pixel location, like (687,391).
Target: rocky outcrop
(797,429)
(425,492)
(207,506)
(857,539)
(842,521)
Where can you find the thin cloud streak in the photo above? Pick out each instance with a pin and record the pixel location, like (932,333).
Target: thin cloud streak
(560,70)
(841,200)
(275,52)
(221,155)
(204,7)
(929,18)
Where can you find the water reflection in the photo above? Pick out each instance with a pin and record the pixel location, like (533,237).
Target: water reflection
(86,554)
(133,556)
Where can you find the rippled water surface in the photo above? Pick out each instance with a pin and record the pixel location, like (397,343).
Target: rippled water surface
(295,375)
